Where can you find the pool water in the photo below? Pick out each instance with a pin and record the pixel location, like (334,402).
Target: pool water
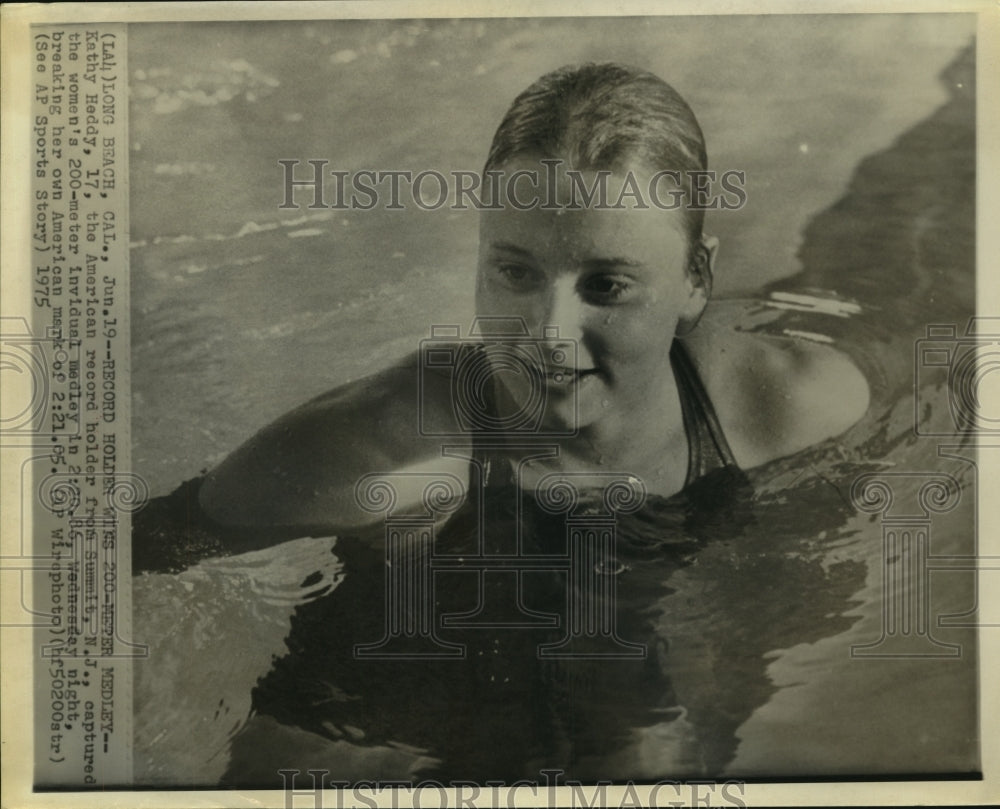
(760,599)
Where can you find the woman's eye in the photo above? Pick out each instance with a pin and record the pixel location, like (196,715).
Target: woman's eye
(607,288)
(517,276)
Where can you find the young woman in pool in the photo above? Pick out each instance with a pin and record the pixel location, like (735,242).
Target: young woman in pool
(646,392)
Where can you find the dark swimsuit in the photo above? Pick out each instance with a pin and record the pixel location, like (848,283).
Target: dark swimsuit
(562,709)
(708,450)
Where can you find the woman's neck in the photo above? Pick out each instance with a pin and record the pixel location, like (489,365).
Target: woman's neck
(645,439)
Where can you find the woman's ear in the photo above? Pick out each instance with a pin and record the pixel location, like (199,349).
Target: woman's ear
(699,277)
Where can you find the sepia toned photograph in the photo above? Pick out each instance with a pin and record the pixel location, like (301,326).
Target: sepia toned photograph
(478,402)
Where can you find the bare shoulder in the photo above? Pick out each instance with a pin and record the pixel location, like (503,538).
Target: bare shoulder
(776,396)
(302,469)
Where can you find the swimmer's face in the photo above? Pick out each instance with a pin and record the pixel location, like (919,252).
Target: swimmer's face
(614,282)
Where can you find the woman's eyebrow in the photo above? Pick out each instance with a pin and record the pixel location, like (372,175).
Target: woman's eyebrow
(612,263)
(508,247)
(593,264)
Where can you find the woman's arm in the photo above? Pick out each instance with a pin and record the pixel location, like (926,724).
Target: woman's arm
(302,469)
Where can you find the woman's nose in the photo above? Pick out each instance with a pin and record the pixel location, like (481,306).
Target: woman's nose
(565,311)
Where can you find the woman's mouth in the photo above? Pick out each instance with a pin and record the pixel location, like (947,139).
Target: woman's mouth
(565,377)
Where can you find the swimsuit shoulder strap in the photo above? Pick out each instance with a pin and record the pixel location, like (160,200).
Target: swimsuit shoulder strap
(708,449)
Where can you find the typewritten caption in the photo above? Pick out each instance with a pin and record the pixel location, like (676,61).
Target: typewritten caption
(79,246)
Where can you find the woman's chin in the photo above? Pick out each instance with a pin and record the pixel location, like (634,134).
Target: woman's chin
(568,415)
